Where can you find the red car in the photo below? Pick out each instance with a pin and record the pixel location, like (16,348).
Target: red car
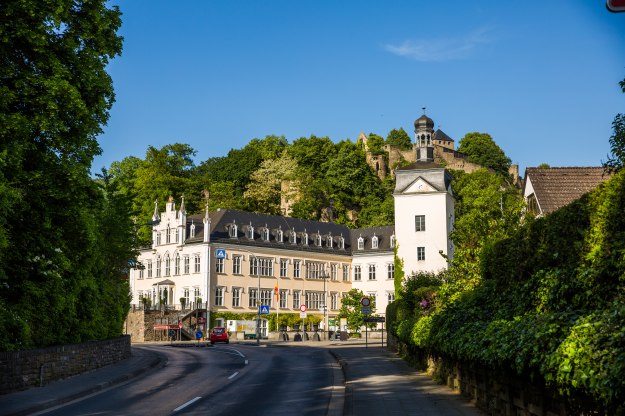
(219,334)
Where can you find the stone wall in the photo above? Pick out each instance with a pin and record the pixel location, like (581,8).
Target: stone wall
(21,370)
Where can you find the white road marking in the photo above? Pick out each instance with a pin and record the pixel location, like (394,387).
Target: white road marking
(177,409)
(233,376)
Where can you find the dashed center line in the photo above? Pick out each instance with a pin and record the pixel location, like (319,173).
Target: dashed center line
(177,409)
(233,376)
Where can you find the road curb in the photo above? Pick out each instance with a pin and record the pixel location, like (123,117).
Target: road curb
(337,402)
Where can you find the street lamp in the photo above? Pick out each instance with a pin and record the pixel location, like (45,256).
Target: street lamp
(325,306)
(257,293)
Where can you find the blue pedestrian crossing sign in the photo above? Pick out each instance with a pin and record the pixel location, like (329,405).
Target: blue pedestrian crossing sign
(264,309)
(220,253)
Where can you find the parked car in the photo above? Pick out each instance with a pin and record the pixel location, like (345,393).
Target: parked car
(219,334)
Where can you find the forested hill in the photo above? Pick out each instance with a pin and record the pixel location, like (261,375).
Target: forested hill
(321,179)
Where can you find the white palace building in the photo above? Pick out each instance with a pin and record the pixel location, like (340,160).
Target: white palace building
(230,261)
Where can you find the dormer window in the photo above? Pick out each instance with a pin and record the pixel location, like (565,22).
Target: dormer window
(330,241)
(232,232)
(293,237)
(361,243)
(341,243)
(250,232)
(393,241)
(265,234)
(318,240)
(374,242)
(305,238)
(280,236)
(192,230)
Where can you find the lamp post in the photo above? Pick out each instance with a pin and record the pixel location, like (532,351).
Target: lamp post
(325,306)
(258,332)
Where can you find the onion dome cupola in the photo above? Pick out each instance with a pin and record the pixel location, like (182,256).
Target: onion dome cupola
(424,133)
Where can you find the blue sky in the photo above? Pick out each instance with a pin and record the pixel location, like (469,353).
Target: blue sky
(541,77)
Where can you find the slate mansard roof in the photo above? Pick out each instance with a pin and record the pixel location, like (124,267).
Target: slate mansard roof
(557,187)
(223,220)
(383,234)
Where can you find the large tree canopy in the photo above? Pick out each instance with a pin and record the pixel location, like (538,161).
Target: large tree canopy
(55,96)
(616,160)
(482,149)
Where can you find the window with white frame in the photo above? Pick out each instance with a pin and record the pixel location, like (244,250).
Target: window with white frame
(197,295)
(284,267)
(296,299)
(304,239)
(374,242)
(167,265)
(158,238)
(250,232)
(177,236)
(266,234)
(220,265)
(346,272)
(177,265)
(185,295)
(187,264)
(236,264)
(420,253)
(315,270)
(372,272)
(140,270)
(297,269)
(196,263)
(168,235)
(390,271)
(293,237)
(280,236)
(390,297)
(314,300)
(334,271)
(371,295)
(192,230)
(357,274)
(284,298)
(219,295)
(266,296)
(318,240)
(261,266)
(419,222)
(232,231)
(341,242)
(149,266)
(236,297)
(158,266)
(393,241)
(334,300)
(252,297)
(330,241)
(361,243)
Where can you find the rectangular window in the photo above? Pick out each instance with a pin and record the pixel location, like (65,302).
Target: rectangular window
(220,266)
(419,222)
(284,267)
(236,264)
(296,299)
(334,271)
(140,273)
(158,238)
(158,267)
(420,253)
(390,271)
(196,262)
(185,295)
(266,296)
(334,301)
(197,296)
(149,269)
(315,270)
(167,266)
(390,296)
(297,270)
(314,300)
(264,266)
(357,273)
(236,297)
(187,264)
(177,265)
(284,298)
(346,272)
(253,296)
(372,272)
(219,296)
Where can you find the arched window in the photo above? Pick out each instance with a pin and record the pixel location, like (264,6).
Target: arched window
(341,243)
(280,236)
(361,243)
(305,238)
(393,241)
(192,230)
(318,240)
(374,242)
(233,230)
(250,232)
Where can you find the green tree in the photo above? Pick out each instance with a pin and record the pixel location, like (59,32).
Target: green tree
(55,97)
(265,187)
(480,148)
(616,159)
(351,308)
(375,144)
(399,138)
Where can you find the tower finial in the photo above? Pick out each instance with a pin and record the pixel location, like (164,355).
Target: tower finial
(423,108)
